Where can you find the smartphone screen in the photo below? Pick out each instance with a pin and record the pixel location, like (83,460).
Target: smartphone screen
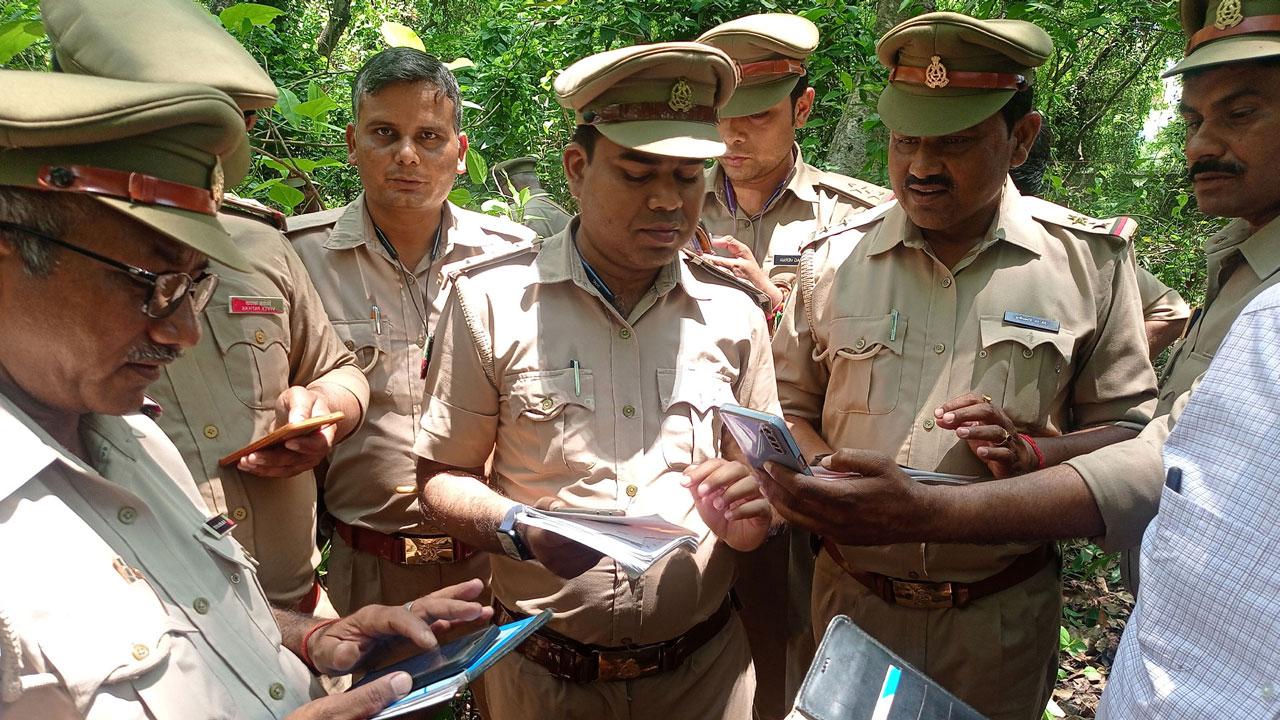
(445,661)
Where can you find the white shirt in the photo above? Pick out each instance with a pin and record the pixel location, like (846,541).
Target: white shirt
(1204,639)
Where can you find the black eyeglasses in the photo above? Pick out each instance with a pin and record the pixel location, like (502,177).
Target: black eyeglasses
(167,289)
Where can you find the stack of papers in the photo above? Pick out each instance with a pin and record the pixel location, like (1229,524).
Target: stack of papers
(927,477)
(635,543)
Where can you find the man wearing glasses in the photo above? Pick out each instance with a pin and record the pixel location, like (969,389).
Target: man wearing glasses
(269,355)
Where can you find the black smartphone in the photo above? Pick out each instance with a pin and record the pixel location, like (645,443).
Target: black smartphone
(445,661)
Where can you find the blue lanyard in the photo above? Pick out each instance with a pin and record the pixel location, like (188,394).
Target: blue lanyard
(731,199)
(596,280)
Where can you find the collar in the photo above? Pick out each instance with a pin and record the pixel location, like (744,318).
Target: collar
(802,181)
(355,228)
(1261,249)
(1013,224)
(558,260)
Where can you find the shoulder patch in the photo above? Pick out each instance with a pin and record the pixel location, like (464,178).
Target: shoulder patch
(470,266)
(254,210)
(859,221)
(693,259)
(863,192)
(314,220)
(1122,227)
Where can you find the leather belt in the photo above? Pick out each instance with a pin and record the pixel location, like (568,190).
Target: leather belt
(308,603)
(569,659)
(404,549)
(923,595)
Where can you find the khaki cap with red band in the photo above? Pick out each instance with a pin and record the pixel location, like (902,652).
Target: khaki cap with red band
(771,50)
(1228,31)
(158,153)
(118,39)
(659,98)
(949,72)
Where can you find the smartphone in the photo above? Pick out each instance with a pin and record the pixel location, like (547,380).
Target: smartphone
(443,662)
(763,438)
(282,435)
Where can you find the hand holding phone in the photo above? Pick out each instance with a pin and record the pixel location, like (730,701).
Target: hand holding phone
(763,438)
(283,434)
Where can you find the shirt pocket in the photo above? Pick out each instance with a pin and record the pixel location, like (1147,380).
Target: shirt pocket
(689,427)
(255,351)
(1023,370)
(241,573)
(373,355)
(552,413)
(1182,375)
(865,359)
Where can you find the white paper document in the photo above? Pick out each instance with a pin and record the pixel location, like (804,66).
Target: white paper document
(923,476)
(635,543)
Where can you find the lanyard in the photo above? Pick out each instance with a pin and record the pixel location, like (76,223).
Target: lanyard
(731,199)
(597,282)
(419,303)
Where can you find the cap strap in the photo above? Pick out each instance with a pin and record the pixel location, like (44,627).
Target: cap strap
(132,186)
(1247,26)
(632,112)
(772,67)
(961,79)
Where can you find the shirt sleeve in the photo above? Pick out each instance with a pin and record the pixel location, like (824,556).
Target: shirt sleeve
(1160,302)
(758,388)
(460,408)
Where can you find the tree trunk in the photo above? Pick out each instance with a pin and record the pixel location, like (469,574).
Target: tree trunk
(339,18)
(848,152)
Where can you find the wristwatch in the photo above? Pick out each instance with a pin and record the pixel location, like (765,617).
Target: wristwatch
(509,539)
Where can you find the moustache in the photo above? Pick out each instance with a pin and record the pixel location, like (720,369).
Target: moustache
(150,353)
(1215,166)
(942,180)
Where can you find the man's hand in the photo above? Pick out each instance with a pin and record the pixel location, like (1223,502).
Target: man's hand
(728,499)
(301,453)
(340,647)
(562,556)
(358,704)
(880,506)
(742,263)
(990,434)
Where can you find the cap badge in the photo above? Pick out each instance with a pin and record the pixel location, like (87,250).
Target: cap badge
(935,76)
(217,182)
(681,96)
(1229,14)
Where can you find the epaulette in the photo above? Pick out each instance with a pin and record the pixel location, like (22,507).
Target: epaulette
(855,222)
(253,210)
(864,192)
(469,266)
(500,225)
(315,219)
(756,294)
(1122,227)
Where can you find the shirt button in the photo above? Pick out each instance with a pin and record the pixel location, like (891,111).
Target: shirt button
(624,333)
(982,353)
(235,578)
(629,410)
(200,605)
(239,514)
(928,424)
(276,691)
(351,344)
(211,431)
(140,652)
(939,348)
(259,337)
(127,515)
(1027,353)
(946,282)
(862,342)
(632,490)
(546,403)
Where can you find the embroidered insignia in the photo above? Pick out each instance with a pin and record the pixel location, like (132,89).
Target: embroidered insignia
(681,96)
(1229,14)
(217,182)
(935,76)
(1079,220)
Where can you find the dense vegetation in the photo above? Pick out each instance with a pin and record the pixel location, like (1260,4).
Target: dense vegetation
(1115,143)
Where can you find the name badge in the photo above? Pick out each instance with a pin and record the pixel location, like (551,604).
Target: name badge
(786,260)
(219,525)
(1032,322)
(241,305)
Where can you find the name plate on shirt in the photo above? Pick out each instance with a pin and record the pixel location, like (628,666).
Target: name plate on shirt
(243,305)
(1032,322)
(786,260)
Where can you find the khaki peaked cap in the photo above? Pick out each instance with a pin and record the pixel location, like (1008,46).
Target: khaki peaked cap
(770,50)
(950,71)
(1220,32)
(154,41)
(159,153)
(660,98)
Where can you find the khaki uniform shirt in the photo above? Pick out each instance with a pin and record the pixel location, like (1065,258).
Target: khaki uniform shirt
(123,603)
(1126,478)
(614,435)
(1159,301)
(371,477)
(264,331)
(898,334)
(812,200)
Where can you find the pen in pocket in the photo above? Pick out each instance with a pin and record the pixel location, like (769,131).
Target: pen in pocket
(577,377)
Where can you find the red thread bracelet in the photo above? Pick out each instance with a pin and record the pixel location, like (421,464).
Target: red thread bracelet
(305,655)
(1035,449)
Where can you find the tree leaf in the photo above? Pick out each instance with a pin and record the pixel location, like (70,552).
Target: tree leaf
(18,35)
(477,168)
(287,105)
(234,17)
(397,35)
(316,109)
(460,197)
(456,65)
(285,196)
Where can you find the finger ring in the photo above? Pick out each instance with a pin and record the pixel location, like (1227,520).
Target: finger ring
(986,399)
(1007,437)
(409,606)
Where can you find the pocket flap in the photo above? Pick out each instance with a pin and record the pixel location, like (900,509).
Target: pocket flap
(257,331)
(994,330)
(543,394)
(702,389)
(862,337)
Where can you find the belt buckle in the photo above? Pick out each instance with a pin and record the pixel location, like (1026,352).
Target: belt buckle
(922,595)
(626,667)
(428,550)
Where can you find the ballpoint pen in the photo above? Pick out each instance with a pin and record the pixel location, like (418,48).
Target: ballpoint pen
(577,377)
